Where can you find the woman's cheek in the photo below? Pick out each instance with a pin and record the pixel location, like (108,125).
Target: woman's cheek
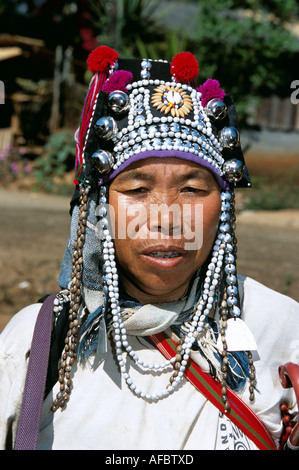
(131,219)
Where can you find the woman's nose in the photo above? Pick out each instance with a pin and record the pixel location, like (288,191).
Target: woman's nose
(165,219)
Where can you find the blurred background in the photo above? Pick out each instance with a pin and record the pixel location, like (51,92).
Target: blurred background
(251,47)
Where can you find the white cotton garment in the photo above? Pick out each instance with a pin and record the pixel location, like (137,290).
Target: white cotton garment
(103,413)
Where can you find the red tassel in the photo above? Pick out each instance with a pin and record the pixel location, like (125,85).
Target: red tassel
(101,58)
(184,67)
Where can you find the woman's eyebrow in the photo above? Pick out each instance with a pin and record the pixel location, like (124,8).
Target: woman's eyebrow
(195,174)
(135,175)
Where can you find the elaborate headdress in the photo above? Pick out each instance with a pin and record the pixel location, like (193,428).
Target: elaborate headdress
(137,109)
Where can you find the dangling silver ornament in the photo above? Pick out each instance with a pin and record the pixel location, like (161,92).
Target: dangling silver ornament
(145,72)
(216,109)
(229,137)
(146,64)
(106,128)
(102,161)
(118,102)
(113,68)
(233,170)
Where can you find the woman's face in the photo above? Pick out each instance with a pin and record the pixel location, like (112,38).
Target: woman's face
(165,216)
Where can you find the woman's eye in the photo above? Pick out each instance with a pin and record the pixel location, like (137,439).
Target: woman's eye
(140,190)
(191,189)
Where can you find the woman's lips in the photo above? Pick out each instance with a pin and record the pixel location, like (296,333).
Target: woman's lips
(164,257)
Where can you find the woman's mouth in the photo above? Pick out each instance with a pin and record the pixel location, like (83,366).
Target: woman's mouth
(163,254)
(164,257)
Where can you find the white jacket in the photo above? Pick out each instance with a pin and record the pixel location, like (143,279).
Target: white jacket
(104,414)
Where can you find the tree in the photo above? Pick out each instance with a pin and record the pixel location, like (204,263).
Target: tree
(248,46)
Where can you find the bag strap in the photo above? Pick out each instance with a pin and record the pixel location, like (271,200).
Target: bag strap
(33,397)
(240,413)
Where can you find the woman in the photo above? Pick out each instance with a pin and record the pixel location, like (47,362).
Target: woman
(152,307)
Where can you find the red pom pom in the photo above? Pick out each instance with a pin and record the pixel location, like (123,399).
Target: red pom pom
(184,67)
(101,58)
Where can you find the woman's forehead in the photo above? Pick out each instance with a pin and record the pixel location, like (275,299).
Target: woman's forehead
(156,168)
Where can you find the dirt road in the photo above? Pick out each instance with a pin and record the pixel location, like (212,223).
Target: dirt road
(35,228)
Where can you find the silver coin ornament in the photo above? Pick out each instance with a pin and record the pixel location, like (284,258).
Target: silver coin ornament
(106,128)
(233,170)
(229,137)
(102,161)
(216,109)
(118,102)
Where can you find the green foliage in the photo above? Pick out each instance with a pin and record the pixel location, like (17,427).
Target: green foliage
(57,160)
(272,195)
(129,26)
(247,46)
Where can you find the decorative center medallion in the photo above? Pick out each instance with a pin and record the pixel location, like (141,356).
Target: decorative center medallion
(173,100)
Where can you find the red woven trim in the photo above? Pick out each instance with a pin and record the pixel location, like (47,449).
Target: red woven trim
(240,413)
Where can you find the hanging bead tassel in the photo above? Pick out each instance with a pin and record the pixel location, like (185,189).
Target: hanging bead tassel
(69,353)
(252,377)
(223,325)
(230,306)
(249,354)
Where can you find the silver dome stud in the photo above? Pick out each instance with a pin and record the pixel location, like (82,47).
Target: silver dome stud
(229,137)
(118,102)
(216,109)
(102,161)
(106,128)
(233,170)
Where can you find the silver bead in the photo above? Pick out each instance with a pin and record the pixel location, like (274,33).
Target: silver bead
(224,227)
(113,68)
(226,196)
(104,224)
(235,311)
(101,211)
(106,128)
(231,279)
(225,216)
(146,64)
(216,109)
(232,291)
(145,74)
(229,258)
(230,268)
(118,102)
(231,301)
(102,161)
(233,170)
(225,206)
(103,190)
(229,137)
(227,238)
